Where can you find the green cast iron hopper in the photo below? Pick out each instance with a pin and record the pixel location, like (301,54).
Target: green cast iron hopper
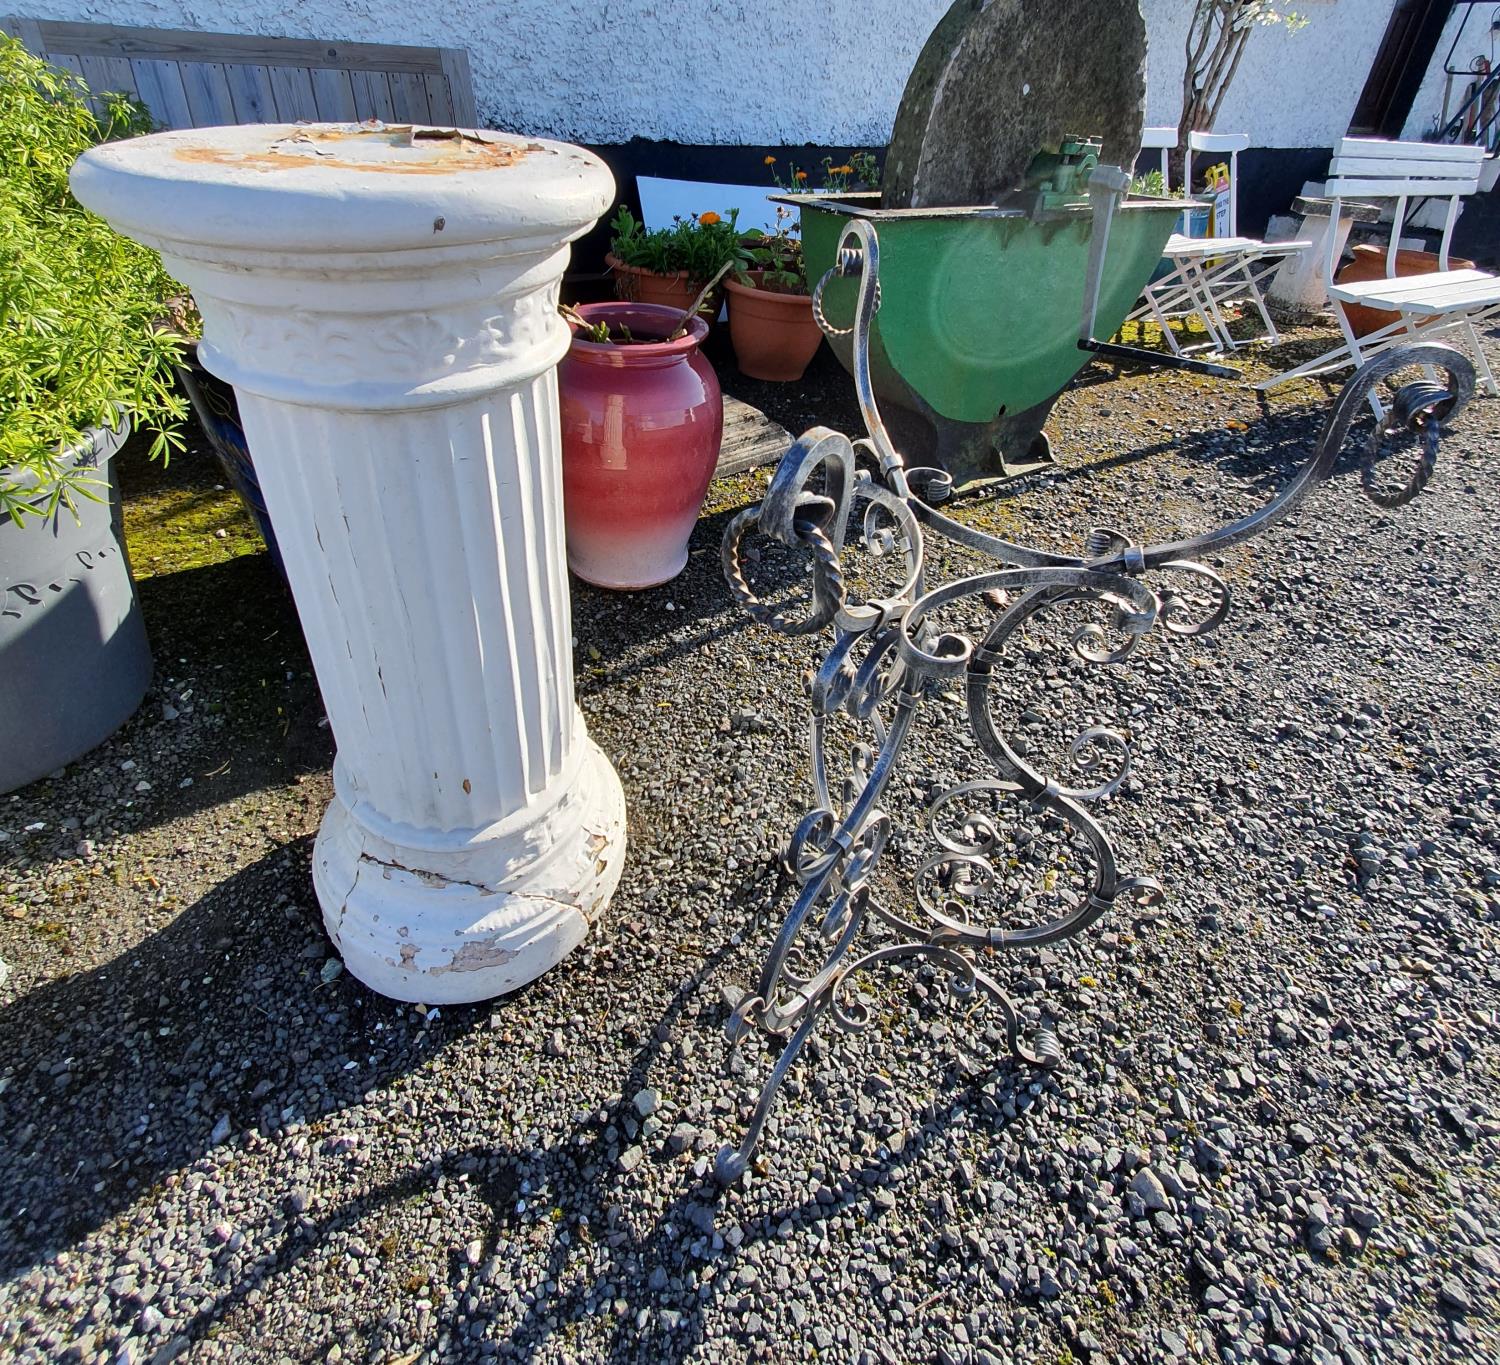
(980,312)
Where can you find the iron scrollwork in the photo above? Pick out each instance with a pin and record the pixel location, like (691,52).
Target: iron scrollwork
(890,656)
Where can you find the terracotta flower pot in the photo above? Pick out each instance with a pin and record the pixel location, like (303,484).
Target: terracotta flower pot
(1369,264)
(641,426)
(634,285)
(774,334)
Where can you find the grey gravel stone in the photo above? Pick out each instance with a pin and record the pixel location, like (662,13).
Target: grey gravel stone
(474,1192)
(1452,1293)
(1148,1188)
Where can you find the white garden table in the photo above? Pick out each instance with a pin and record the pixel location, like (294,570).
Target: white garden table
(384,302)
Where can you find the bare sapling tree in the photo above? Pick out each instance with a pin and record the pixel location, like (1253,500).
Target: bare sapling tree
(1216,41)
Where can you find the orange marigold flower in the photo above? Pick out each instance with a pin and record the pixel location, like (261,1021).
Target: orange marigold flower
(770,161)
(801,175)
(708,219)
(841,170)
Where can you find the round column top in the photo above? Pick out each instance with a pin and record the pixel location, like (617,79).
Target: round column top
(341,187)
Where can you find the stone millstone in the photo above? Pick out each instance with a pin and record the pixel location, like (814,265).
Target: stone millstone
(1000,81)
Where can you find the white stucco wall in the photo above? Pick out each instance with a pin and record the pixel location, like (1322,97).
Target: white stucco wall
(761,71)
(1294,88)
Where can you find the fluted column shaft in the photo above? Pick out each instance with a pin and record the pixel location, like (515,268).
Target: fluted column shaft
(400,402)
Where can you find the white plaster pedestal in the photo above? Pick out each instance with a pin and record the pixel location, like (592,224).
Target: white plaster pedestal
(386,307)
(1298,287)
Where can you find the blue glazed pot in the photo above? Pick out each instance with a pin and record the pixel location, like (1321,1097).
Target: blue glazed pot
(218,413)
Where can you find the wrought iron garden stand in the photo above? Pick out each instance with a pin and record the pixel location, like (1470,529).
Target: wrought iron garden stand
(889,656)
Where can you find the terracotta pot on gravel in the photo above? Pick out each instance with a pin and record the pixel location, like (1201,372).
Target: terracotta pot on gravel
(1369,264)
(641,426)
(774,334)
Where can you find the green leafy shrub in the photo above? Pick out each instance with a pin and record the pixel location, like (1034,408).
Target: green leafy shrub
(774,259)
(701,245)
(1149,182)
(82,335)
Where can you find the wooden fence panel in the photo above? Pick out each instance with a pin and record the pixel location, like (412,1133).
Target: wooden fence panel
(162,92)
(195,80)
(409,94)
(333,94)
(208,96)
(250,91)
(109,73)
(372,96)
(293,89)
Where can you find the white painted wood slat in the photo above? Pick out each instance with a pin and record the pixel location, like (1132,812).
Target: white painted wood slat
(1368,187)
(1434,300)
(1412,151)
(1362,166)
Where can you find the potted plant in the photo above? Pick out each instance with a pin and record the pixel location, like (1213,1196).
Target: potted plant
(642,419)
(771,320)
(82,358)
(859,171)
(668,266)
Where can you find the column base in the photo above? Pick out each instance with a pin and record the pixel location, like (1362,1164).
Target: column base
(481,915)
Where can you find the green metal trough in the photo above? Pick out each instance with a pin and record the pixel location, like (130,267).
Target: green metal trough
(980,314)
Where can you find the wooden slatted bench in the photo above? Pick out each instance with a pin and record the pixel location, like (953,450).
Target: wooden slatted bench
(1440,304)
(199,80)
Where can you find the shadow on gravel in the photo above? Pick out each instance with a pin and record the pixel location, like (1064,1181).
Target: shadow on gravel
(635,633)
(121,1074)
(578,1163)
(227,636)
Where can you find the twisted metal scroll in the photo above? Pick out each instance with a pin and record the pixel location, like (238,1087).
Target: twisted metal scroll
(889,656)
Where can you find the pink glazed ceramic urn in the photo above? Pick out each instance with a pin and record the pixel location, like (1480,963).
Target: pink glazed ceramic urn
(641,423)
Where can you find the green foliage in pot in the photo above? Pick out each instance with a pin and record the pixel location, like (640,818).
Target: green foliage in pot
(1149,182)
(81,337)
(701,245)
(773,260)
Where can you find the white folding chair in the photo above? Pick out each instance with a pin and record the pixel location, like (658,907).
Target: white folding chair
(1162,140)
(1178,293)
(1210,274)
(1421,306)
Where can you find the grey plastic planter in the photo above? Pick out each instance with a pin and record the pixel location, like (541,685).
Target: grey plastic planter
(74,660)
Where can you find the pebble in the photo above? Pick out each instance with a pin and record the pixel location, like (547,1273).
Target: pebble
(1147,1187)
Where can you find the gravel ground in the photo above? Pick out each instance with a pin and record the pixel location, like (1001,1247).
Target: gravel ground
(1274,1136)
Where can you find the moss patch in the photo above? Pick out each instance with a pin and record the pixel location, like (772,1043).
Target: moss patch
(182,515)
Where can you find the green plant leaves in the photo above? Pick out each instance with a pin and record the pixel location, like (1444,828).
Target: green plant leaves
(82,336)
(699,247)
